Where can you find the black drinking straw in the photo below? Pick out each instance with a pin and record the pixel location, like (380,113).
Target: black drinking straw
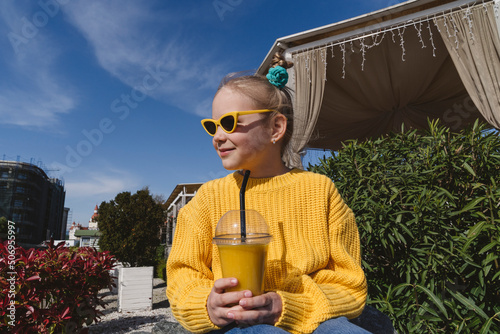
(243,223)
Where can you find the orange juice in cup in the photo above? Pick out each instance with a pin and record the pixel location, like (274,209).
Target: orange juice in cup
(243,257)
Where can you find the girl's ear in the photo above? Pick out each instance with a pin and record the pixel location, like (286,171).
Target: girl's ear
(278,125)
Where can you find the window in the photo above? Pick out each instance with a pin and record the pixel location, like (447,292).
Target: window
(85,242)
(18,203)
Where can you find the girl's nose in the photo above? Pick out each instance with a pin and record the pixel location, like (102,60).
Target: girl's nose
(220,135)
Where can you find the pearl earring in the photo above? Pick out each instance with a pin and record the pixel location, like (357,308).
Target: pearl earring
(274,141)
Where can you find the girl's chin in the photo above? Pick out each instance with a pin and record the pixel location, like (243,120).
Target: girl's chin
(230,166)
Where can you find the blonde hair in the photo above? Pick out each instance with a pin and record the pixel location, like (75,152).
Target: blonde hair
(265,95)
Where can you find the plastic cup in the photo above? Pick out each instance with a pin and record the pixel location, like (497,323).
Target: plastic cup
(243,258)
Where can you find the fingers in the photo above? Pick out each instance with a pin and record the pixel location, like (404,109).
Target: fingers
(240,306)
(261,309)
(220,302)
(249,317)
(219,315)
(255,302)
(224,283)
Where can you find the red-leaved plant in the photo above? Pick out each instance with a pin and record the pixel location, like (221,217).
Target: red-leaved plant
(52,290)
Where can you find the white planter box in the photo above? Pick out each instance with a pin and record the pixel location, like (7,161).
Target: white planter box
(135,289)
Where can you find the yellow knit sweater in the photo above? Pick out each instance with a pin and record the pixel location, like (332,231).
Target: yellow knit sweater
(313,260)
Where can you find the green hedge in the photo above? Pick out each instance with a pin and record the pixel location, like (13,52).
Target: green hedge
(161,263)
(428,210)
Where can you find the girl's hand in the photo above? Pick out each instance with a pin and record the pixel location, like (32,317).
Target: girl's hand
(220,303)
(263,309)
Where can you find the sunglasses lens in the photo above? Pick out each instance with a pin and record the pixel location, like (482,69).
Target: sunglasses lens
(210,127)
(227,123)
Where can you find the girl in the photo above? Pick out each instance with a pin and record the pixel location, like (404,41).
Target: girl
(313,280)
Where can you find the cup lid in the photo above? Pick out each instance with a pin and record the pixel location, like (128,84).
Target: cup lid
(228,230)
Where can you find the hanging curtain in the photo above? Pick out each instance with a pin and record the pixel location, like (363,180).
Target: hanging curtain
(310,71)
(472,38)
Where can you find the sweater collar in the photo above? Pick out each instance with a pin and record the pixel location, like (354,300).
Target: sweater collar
(268,183)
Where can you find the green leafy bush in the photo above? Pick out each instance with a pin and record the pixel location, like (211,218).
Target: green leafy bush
(161,270)
(428,210)
(161,263)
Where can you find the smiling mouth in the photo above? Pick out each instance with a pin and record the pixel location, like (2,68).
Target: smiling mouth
(225,151)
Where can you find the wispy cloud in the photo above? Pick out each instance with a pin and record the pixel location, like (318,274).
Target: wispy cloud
(103,184)
(117,32)
(32,93)
(92,187)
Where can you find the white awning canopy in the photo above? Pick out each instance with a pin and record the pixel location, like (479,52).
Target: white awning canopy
(419,60)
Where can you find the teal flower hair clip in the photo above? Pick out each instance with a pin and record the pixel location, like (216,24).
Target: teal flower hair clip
(278,76)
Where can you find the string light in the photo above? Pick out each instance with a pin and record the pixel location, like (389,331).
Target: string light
(363,52)
(342,48)
(455,32)
(446,26)
(323,60)
(419,33)
(467,16)
(402,42)
(307,60)
(431,38)
(449,24)
(485,8)
(375,42)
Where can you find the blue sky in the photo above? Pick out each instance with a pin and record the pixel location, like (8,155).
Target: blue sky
(109,95)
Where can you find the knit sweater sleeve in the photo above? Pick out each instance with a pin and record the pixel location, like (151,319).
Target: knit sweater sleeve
(189,274)
(339,289)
